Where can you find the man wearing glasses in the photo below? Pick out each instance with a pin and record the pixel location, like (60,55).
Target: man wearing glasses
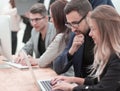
(41,35)
(79,51)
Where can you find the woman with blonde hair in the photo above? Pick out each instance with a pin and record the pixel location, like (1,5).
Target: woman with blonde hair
(104,23)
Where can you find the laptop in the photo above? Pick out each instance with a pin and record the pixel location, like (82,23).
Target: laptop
(5,43)
(43,85)
(20,66)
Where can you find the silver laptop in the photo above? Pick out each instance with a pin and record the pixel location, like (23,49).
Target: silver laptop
(43,85)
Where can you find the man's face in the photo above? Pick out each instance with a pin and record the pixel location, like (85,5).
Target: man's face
(76,22)
(38,21)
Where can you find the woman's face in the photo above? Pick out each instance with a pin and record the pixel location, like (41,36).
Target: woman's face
(94,31)
(51,17)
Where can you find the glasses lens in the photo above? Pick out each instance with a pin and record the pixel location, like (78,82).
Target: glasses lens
(36,19)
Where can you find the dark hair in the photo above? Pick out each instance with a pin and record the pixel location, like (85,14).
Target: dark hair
(38,8)
(12,2)
(81,6)
(59,18)
(58,15)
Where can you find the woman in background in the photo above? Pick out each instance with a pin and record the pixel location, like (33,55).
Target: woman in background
(20,26)
(58,44)
(25,28)
(15,20)
(104,23)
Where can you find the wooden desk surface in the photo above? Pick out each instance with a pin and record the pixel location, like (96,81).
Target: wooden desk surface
(13,79)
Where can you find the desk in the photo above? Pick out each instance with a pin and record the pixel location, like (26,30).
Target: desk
(13,79)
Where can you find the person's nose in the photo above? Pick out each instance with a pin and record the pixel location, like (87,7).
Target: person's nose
(73,29)
(33,23)
(90,33)
(51,19)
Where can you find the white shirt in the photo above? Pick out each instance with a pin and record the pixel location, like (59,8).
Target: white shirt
(47,3)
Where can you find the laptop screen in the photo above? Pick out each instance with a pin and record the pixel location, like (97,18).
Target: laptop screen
(43,85)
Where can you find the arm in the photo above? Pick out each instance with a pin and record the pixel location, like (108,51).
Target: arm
(77,80)
(53,50)
(72,55)
(62,60)
(28,48)
(109,81)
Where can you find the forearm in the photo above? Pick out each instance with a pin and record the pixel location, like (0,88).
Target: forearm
(71,51)
(77,80)
(51,52)
(28,47)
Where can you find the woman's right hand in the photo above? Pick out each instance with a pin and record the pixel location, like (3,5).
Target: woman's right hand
(61,78)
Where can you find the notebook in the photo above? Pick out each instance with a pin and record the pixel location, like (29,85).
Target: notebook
(4,66)
(19,66)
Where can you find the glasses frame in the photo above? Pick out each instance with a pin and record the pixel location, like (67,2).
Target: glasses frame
(75,24)
(36,19)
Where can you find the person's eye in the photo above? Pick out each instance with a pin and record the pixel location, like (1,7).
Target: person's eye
(75,22)
(37,19)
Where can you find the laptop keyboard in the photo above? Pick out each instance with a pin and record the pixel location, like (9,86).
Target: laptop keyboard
(46,85)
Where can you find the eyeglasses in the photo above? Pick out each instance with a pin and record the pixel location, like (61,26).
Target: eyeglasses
(36,19)
(75,24)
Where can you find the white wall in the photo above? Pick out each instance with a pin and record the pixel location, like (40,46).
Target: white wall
(24,5)
(117,5)
(3,3)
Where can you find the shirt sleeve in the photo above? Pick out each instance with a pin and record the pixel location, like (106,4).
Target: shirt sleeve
(110,81)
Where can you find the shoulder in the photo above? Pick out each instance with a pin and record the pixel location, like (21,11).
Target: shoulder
(34,32)
(114,62)
(51,28)
(50,25)
(58,37)
(95,3)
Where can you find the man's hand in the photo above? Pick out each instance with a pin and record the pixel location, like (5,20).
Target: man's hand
(77,42)
(20,58)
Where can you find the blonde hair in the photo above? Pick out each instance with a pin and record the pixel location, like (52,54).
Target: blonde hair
(108,22)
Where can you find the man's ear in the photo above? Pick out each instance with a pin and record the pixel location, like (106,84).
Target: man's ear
(47,18)
(88,16)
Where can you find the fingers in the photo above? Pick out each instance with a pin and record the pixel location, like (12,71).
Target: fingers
(29,56)
(58,79)
(17,60)
(20,59)
(62,86)
(77,42)
(54,81)
(56,86)
(79,39)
